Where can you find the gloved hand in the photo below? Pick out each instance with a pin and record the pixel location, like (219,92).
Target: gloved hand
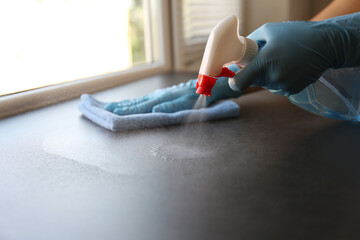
(173,99)
(296,54)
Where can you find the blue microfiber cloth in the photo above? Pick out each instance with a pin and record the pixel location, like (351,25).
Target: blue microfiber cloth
(94,110)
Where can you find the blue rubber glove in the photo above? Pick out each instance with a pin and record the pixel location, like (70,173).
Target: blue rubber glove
(296,54)
(173,99)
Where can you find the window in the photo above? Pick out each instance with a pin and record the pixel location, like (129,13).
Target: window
(48,42)
(102,43)
(194,20)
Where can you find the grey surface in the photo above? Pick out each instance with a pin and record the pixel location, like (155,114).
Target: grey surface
(276,172)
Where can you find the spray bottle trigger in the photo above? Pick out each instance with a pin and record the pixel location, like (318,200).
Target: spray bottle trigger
(225,72)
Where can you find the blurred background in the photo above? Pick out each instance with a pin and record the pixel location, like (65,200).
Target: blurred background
(47,42)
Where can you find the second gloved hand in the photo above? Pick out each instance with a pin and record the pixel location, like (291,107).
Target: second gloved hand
(173,99)
(296,54)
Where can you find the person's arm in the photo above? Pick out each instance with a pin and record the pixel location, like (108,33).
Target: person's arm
(337,8)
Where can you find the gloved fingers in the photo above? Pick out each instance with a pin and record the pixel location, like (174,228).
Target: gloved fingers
(125,103)
(143,107)
(246,76)
(175,91)
(111,106)
(146,103)
(233,67)
(181,103)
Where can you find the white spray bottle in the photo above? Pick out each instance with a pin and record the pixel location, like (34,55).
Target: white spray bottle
(224,46)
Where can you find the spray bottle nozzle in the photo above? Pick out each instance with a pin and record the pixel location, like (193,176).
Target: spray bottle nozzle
(205,83)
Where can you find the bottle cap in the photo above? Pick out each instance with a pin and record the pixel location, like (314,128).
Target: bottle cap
(250,50)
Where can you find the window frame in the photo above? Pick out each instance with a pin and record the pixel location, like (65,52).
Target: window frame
(32,99)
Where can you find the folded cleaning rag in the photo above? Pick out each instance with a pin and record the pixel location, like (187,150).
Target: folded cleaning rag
(94,110)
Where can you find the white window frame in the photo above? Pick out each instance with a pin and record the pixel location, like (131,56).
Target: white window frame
(41,97)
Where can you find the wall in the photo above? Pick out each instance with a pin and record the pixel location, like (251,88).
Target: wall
(318,5)
(258,12)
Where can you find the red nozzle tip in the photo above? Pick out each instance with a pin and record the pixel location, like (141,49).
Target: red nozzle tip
(205,84)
